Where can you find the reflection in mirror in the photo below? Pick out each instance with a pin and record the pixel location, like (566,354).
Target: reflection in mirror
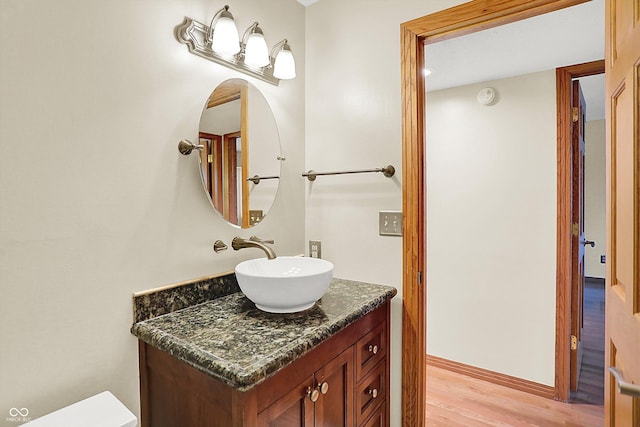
(240,162)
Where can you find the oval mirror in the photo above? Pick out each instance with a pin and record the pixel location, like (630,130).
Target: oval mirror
(240,161)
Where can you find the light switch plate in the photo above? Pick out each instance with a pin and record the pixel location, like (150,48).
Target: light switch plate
(390,223)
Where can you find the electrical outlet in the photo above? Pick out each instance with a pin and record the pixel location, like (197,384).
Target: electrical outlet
(390,223)
(255,216)
(315,249)
(603,259)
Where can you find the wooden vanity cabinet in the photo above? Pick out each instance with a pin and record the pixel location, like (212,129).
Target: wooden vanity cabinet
(341,382)
(325,399)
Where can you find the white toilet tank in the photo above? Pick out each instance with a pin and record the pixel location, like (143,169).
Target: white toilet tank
(101,410)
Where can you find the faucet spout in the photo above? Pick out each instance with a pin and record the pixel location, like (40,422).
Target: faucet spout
(239,243)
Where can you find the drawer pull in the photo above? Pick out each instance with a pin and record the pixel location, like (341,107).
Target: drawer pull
(373,349)
(373,392)
(313,394)
(324,387)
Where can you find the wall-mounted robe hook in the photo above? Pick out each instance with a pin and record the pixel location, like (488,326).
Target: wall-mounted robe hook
(186,147)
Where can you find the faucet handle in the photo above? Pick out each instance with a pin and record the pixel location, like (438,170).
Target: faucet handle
(259,240)
(219,246)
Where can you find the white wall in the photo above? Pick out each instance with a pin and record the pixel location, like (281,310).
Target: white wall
(595,197)
(221,119)
(96,202)
(353,121)
(491,226)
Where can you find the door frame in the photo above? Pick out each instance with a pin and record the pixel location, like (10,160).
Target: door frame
(464,19)
(564,256)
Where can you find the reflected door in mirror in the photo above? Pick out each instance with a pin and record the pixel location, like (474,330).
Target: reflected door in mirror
(221,169)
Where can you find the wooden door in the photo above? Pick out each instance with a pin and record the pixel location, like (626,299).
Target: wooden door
(622,330)
(335,408)
(294,409)
(230,178)
(578,108)
(211,166)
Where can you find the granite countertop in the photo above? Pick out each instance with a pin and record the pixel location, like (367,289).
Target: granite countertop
(240,345)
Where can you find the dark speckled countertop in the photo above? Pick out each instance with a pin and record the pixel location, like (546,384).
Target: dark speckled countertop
(231,340)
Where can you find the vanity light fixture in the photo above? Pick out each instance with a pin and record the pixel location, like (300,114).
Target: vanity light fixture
(223,33)
(219,42)
(256,52)
(285,64)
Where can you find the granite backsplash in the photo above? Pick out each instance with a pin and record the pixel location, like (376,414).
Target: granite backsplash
(156,302)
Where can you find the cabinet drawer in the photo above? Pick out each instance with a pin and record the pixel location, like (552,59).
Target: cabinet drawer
(378,419)
(370,350)
(371,393)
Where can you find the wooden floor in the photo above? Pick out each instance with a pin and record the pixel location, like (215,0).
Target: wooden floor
(591,379)
(455,400)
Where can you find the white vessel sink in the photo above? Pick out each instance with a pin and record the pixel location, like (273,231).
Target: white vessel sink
(284,284)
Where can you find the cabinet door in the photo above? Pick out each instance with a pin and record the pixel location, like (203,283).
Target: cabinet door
(294,409)
(334,407)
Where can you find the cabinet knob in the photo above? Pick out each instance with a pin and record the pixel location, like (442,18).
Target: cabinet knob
(373,349)
(373,392)
(324,387)
(313,394)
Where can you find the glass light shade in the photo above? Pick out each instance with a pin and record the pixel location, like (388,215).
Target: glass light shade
(256,53)
(285,66)
(225,39)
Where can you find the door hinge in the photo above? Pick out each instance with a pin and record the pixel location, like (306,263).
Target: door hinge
(210,158)
(575,229)
(574,342)
(575,114)
(419,277)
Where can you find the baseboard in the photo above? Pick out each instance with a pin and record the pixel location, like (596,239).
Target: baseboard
(594,280)
(493,377)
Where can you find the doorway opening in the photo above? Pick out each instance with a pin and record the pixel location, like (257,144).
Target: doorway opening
(500,183)
(464,19)
(589,245)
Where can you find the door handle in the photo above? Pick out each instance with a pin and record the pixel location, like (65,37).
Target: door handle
(624,387)
(590,243)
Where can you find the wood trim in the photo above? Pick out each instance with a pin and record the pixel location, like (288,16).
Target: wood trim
(230,187)
(231,176)
(478,15)
(564,76)
(227,91)
(595,280)
(505,380)
(463,19)
(207,168)
(216,173)
(413,229)
(244,150)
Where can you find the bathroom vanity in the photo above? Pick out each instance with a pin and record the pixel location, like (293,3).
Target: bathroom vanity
(225,363)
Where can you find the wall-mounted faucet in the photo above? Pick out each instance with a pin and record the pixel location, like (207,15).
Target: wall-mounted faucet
(253,242)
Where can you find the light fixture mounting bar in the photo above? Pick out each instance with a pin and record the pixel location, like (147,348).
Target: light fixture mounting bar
(194,35)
